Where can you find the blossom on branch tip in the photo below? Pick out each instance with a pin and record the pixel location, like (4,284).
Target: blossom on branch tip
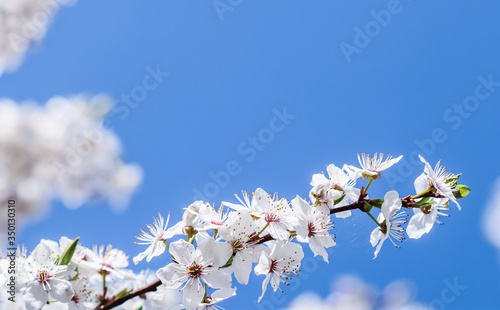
(424,217)
(440,180)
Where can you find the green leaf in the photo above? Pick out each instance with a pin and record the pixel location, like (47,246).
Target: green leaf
(368,207)
(461,191)
(377,203)
(339,200)
(68,253)
(122,293)
(423,202)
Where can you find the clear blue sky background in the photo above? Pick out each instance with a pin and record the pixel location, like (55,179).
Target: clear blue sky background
(226,77)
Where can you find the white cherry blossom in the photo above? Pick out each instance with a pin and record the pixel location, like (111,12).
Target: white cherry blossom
(313,225)
(190,219)
(156,238)
(41,278)
(336,191)
(423,219)
(438,178)
(253,206)
(192,265)
(213,219)
(284,259)
(373,166)
(237,231)
(210,302)
(110,261)
(216,297)
(273,215)
(84,297)
(277,216)
(391,222)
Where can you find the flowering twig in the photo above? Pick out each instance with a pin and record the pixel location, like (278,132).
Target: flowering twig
(110,304)
(259,230)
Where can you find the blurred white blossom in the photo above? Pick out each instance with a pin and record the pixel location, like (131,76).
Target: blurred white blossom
(61,151)
(351,293)
(491,216)
(23,23)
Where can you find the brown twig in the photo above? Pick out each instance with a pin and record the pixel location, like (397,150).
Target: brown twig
(110,304)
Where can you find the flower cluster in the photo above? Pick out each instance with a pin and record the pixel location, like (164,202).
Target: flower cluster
(261,232)
(66,275)
(61,150)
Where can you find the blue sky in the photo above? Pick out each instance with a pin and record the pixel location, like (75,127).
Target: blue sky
(413,86)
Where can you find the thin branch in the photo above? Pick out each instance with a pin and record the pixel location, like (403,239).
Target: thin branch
(352,206)
(110,304)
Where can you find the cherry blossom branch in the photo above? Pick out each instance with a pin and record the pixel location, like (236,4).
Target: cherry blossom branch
(110,304)
(407,202)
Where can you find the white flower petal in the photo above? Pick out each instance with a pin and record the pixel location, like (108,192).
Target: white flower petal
(421,184)
(192,294)
(217,279)
(172,276)
(61,290)
(264,286)
(416,226)
(242,268)
(35,297)
(264,264)
(182,251)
